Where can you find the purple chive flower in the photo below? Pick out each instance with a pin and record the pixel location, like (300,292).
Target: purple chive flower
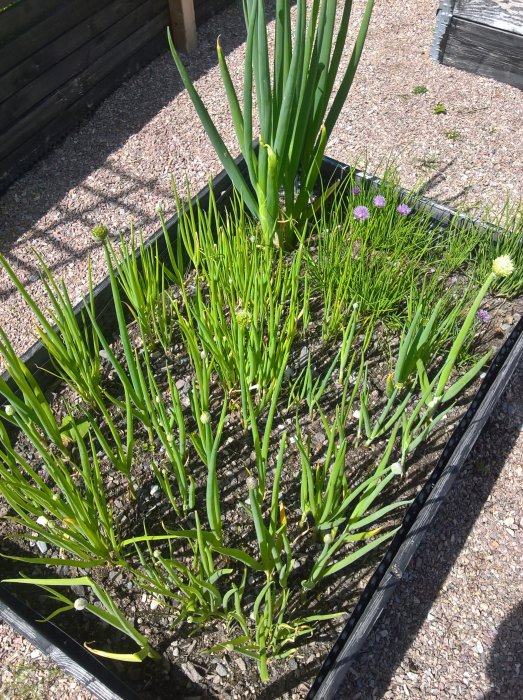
(356,190)
(361,213)
(483,315)
(379,201)
(404,209)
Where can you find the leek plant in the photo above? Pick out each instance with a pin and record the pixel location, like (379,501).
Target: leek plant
(297,104)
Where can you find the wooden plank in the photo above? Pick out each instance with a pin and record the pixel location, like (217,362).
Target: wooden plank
(23,102)
(44,32)
(494,53)
(24,15)
(501,14)
(183,25)
(55,106)
(205,9)
(17,162)
(50,55)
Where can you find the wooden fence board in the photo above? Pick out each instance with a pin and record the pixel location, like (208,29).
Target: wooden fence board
(34,42)
(54,106)
(94,23)
(38,144)
(205,9)
(501,14)
(30,96)
(22,16)
(60,58)
(494,53)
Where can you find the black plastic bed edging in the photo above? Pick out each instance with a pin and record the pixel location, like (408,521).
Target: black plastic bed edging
(71,656)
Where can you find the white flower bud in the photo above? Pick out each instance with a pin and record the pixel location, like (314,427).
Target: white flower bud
(252,483)
(9,410)
(435,402)
(503,266)
(396,468)
(80,604)
(205,417)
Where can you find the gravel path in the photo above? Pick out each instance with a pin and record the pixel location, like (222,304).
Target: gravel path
(118,166)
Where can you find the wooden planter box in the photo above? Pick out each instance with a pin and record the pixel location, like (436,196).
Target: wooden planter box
(96,677)
(481,36)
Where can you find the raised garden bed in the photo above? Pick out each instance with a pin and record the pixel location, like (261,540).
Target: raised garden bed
(293,676)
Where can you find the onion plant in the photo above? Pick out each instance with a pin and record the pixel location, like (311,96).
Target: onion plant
(73,351)
(107,611)
(297,104)
(503,237)
(143,280)
(241,307)
(27,406)
(243,302)
(436,396)
(64,504)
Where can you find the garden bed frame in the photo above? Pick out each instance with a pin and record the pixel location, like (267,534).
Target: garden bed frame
(96,677)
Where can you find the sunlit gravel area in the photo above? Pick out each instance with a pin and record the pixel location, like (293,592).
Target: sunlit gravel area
(454,628)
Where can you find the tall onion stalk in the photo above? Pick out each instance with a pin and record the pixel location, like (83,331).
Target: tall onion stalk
(296,101)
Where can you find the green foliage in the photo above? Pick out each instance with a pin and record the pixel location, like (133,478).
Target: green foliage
(420,90)
(453,134)
(73,351)
(297,105)
(506,239)
(243,322)
(107,612)
(440,108)
(143,281)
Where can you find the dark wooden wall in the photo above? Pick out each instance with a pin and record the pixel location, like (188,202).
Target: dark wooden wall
(205,9)
(60,58)
(483,37)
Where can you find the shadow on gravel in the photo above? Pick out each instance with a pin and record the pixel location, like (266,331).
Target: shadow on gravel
(123,114)
(505,665)
(370,675)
